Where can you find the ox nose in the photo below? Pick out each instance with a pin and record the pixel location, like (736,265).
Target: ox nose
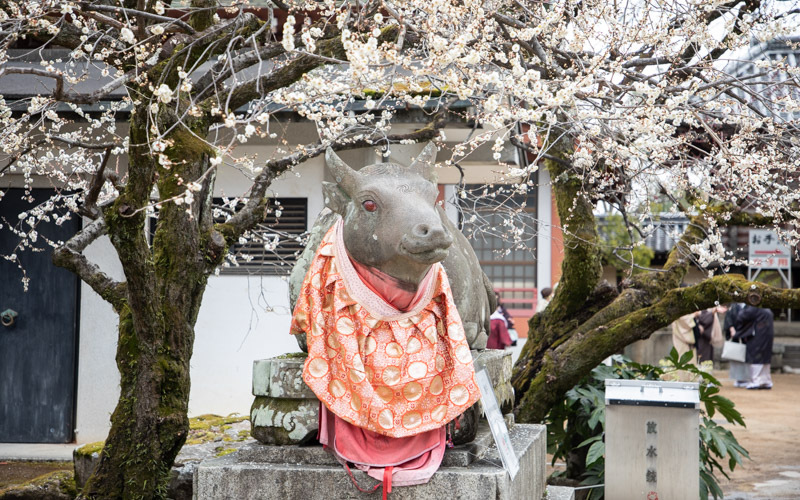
(421,230)
(432,233)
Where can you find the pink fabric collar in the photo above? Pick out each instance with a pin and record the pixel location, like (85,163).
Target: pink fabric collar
(387,287)
(371,297)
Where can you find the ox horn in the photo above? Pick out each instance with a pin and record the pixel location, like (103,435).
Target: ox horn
(424,163)
(345,176)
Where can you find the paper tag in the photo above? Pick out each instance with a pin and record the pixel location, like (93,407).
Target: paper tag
(497,424)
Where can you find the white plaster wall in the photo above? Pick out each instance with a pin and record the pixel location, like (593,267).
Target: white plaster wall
(245,318)
(98,377)
(544,210)
(234,329)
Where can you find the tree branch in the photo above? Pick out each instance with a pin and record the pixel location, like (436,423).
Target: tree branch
(90,208)
(283,76)
(226,68)
(60,95)
(137,13)
(70,256)
(580,353)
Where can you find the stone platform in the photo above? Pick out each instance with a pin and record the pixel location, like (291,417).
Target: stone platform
(471,471)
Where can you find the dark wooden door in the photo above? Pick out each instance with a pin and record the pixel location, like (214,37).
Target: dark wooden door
(38,352)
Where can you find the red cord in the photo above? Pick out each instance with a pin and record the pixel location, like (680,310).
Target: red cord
(353,479)
(387,481)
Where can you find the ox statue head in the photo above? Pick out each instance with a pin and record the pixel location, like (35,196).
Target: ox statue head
(390,219)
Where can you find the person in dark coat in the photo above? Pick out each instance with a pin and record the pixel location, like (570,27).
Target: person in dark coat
(739,372)
(755,327)
(730,319)
(704,322)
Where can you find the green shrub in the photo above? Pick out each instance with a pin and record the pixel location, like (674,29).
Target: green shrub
(576,425)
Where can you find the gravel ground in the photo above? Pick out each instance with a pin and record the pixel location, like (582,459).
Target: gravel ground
(15,472)
(772,438)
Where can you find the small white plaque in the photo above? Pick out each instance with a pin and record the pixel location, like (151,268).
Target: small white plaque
(766,251)
(497,424)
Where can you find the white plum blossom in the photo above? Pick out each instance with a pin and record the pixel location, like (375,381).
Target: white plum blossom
(163,93)
(288,33)
(126,35)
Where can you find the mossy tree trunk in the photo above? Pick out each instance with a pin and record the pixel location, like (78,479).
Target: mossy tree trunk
(164,284)
(589,320)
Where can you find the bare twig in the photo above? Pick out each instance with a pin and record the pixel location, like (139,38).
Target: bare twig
(137,13)
(90,203)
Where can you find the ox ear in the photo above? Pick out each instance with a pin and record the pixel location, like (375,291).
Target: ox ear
(345,176)
(424,163)
(335,198)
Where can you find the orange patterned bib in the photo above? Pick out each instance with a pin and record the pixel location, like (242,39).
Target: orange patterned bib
(395,373)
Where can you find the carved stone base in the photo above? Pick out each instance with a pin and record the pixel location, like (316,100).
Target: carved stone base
(497,364)
(282,421)
(285,409)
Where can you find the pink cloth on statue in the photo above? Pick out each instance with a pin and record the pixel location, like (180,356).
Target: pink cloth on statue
(390,289)
(413,459)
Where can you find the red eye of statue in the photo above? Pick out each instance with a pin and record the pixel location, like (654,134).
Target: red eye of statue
(370,206)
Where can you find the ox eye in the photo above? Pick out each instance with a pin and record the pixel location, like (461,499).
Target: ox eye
(370,206)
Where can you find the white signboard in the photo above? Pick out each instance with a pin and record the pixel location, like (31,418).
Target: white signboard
(767,252)
(497,424)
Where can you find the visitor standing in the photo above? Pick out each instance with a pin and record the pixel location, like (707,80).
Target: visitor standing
(707,323)
(755,326)
(542,303)
(512,332)
(683,335)
(498,337)
(739,372)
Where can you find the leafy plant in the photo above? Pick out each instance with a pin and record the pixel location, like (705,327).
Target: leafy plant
(576,425)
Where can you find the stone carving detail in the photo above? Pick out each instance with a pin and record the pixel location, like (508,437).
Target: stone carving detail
(285,409)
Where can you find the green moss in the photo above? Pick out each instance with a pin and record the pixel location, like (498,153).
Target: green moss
(210,421)
(90,449)
(207,428)
(222,451)
(426,90)
(293,355)
(57,484)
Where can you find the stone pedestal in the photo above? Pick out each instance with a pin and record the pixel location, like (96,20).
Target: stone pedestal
(285,409)
(498,366)
(471,471)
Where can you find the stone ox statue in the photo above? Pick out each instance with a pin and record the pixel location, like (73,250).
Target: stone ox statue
(409,234)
